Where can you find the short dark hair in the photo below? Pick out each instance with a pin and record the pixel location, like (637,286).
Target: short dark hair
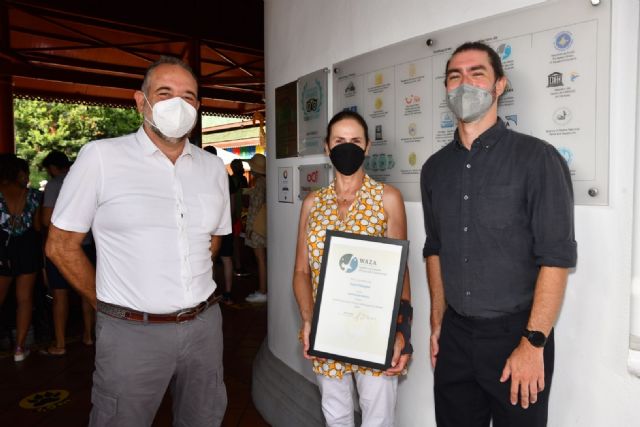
(346,114)
(23,165)
(11,166)
(211,149)
(237,167)
(494,58)
(164,59)
(56,158)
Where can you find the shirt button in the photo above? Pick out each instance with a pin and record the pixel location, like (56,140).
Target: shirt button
(468,166)
(466,197)
(468,293)
(466,260)
(465,229)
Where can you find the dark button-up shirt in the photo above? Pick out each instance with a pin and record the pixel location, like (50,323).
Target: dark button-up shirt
(494,214)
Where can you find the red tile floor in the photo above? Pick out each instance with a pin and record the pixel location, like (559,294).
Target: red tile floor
(68,378)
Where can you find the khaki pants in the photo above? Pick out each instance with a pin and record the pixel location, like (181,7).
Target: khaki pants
(136,362)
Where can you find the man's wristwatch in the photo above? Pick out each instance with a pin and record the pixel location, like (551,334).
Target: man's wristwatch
(536,338)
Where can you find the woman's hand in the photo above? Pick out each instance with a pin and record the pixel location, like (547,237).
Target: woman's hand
(398,361)
(304,335)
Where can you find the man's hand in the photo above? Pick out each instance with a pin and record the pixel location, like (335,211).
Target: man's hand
(525,366)
(398,361)
(434,347)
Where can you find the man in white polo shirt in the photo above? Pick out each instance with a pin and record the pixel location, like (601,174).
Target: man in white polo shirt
(156,205)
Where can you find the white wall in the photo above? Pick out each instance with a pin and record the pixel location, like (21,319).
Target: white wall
(591,385)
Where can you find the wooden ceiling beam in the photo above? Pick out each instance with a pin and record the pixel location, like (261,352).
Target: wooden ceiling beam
(97,40)
(30,52)
(83,42)
(36,23)
(59,61)
(102,80)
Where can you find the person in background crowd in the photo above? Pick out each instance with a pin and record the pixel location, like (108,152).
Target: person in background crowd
(498,215)
(211,149)
(226,248)
(20,243)
(238,183)
(57,166)
(353,203)
(255,234)
(157,206)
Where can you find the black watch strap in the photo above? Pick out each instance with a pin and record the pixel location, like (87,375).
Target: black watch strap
(536,338)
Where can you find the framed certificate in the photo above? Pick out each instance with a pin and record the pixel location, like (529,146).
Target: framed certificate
(354,317)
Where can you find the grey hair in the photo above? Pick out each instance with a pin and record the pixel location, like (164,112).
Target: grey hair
(170,60)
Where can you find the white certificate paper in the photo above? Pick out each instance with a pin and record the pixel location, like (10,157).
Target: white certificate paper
(358,297)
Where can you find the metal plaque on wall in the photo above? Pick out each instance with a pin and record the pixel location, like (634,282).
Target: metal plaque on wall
(556,58)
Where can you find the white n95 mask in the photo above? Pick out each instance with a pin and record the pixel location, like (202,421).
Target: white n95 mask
(174,117)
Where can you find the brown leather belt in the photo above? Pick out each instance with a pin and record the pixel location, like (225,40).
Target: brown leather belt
(176,317)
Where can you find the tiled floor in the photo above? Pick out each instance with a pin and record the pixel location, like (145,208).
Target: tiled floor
(68,378)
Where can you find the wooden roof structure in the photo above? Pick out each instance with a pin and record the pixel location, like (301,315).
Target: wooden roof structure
(96,52)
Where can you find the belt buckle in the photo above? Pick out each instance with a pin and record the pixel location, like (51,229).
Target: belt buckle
(182,314)
(191,311)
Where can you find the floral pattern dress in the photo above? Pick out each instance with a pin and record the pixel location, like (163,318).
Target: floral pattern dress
(16,225)
(366,216)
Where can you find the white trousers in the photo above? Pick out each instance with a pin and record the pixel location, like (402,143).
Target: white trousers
(377,398)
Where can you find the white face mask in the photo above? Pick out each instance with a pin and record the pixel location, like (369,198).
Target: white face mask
(173,117)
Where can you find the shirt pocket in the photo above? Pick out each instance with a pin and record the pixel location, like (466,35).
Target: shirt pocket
(499,206)
(210,210)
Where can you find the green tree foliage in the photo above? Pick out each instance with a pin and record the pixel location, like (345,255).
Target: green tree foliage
(44,126)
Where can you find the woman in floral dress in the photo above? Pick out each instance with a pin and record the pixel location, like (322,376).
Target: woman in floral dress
(22,256)
(353,203)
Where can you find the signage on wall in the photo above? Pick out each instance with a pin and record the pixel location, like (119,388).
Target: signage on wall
(556,60)
(312,178)
(312,112)
(286,121)
(285,185)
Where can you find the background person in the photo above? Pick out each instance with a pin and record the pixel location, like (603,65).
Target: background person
(20,243)
(238,183)
(256,224)
(226,248)
(57,165)
(353,203)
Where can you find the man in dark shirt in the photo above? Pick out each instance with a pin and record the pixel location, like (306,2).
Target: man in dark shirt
(498,214)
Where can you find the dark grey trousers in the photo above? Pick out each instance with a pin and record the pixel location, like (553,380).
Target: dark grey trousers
(467,386)
(135,362)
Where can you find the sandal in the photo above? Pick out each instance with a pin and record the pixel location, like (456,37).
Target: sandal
(54,351)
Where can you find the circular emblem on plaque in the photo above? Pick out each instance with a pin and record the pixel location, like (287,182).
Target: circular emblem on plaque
(563,41)
(562,116)
(348,263)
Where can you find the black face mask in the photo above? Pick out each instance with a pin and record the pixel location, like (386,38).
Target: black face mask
(347,158)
